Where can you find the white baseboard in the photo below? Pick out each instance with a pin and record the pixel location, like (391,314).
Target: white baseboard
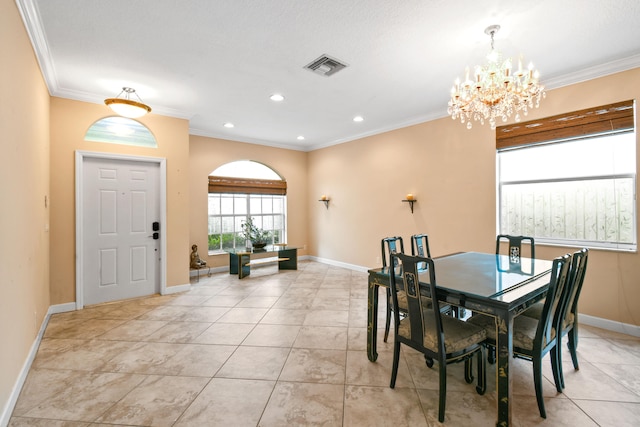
(609,325)
(339,264)
(62,308)
(22,377)
(177,288)
(204,271)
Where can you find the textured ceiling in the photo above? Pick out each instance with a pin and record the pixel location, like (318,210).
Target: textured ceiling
(217,61)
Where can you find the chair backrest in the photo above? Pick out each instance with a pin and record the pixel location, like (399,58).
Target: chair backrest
(574,285)
(515,247)
(409,287)
(420,245)
(551,310)
(391,245)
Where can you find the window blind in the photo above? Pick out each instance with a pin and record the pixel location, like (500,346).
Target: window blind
(590,121)
(224,184)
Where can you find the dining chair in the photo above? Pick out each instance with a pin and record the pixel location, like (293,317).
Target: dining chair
(534,338)
(424,328)
(420,245)
(514,248)
(568,324)
(391,245)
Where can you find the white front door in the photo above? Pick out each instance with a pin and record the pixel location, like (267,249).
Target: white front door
(120,203)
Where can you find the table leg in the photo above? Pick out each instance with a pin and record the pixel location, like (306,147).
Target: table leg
(504,353)
(233,263)
(244,269)
(291,263)
(372,321)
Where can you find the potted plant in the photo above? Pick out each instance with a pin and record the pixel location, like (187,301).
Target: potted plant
(257,236)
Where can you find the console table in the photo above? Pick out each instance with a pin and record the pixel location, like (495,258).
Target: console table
(241,260)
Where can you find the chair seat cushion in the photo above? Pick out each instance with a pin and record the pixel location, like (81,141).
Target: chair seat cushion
(402,302)
(458,334)
(535,311)
(524,330)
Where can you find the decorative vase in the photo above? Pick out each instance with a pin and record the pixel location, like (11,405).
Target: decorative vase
(258,245)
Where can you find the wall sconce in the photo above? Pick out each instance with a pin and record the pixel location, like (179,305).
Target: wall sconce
(411,200)
(325,200)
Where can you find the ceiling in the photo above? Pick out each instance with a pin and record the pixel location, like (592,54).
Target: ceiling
(219,61)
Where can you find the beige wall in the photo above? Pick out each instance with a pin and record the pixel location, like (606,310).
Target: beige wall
(451,171)
(206,154)
(69,123)
(24,185)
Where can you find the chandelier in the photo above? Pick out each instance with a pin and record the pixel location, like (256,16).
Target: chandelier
(127,107)
(495,91)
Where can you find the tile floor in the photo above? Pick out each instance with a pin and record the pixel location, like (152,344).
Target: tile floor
(286,349)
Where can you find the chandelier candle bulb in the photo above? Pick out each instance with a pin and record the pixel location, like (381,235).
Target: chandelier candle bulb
(409,196)
(323,197)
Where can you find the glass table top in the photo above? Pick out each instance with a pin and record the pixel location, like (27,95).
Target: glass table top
(484,275)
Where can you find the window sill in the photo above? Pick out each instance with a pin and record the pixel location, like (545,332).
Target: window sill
(598,246)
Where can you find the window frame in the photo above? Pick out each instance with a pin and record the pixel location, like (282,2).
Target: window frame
(590,123)
(237,219)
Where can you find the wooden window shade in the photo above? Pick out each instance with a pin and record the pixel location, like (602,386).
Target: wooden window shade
(591,121)
(224,184)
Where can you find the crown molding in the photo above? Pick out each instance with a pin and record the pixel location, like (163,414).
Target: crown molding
(31,18)
(594,72)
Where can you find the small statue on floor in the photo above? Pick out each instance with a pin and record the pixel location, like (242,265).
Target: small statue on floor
(196,262)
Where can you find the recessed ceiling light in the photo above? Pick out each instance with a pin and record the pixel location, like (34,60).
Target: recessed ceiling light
(276,97)
(229,125)
(358,118)
(301,138)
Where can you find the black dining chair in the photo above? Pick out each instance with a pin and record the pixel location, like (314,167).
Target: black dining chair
(391,245)
(514,247)
(569,315)
(443,339)
(534,338)
(420,245)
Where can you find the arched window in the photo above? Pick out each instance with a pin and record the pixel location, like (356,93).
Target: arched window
(120,130)
(241,190)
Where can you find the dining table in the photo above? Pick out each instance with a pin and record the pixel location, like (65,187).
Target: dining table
(496,285)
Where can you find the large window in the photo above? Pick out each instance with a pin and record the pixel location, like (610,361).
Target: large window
(242,190)
(576,190)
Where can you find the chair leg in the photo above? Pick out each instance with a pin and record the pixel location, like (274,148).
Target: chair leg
(482,373)
(428,361)
(556,366)
(396,360)
(491,355)
(442,397)
(573,346)
(388,319)
(537,380)
(468,370)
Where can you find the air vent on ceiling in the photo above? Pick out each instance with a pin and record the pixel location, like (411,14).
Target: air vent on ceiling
(325,66)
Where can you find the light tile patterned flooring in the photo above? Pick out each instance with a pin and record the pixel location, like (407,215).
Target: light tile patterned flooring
(287,349)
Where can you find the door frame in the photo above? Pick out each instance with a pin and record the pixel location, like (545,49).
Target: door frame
(80,157)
